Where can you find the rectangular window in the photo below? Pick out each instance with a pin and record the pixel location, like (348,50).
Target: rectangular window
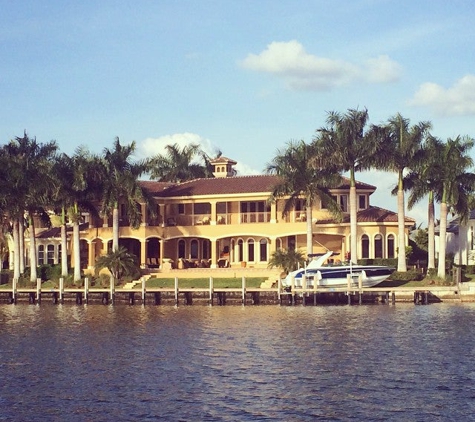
(362,202)
(50,254)
(181,208)
(344,203)
(41,255)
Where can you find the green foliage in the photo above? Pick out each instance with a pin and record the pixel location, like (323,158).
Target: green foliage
(120,263)
(288,260)
(411,275)
(202,283)
(388,262)
(421,239)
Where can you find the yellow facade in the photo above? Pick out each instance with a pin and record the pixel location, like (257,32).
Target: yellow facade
(228,221)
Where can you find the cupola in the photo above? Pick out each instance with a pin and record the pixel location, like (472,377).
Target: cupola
(223,167)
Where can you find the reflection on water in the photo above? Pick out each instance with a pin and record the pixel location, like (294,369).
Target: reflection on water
(403,362)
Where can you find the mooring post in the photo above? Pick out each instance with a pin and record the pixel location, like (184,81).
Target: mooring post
(14,290)
(112,289)
(61,289)
(243,290)
(86,289)
(211,291)
(315,285)
(292,289)
(143,290)
(157,298)
(426,297)
(38,289)
(360,289)
(304,288)
(393,297)
(348,283)
(176,291)
(279,290)
(131,298)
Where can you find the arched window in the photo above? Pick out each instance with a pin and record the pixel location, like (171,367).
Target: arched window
(378,246)
(250,250)
(240,250)
(194,249)
(263,250)
(364,246)
(181,249)
(391,253)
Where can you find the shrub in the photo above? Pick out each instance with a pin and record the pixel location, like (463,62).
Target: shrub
(411,275)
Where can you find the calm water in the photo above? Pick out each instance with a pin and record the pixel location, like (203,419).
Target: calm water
(338,363)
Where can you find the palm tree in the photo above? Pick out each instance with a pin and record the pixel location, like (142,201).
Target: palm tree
(119,262)
(346,144)
(179,164)
(423,180)
(302,176)
(289,260)
(401,143)
(75,190)
(457,185)
(120,183)
(31,178)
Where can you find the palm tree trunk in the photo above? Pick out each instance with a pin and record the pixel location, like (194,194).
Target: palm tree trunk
(16,249)
(308,213)
(64,245)
(353,221)
(401,255)
(64,251)
(442,240)
(33,260)
(431,233)
(115,229)
(77,251)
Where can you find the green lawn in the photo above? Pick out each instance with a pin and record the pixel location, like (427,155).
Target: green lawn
(203,283)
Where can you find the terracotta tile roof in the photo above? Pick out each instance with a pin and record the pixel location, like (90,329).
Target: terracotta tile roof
(56,231)
(154,187)
(371,215)
(225,185)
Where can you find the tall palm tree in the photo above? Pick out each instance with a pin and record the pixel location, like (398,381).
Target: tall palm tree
(180,164)
(302,176)
(401,143)
(75,190)
(30,163)
(120,176)
(346,144)
(423,181)
(458,183)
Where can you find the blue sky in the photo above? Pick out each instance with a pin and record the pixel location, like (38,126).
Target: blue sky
(243,76)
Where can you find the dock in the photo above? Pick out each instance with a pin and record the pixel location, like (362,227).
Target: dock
(243,295)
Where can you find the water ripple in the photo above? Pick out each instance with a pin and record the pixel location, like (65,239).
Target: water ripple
(333,363)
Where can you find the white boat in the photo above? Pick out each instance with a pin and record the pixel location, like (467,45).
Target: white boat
(336,275)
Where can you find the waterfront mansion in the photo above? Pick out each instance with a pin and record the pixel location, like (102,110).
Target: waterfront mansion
(227,221)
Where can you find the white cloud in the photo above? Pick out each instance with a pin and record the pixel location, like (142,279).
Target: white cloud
(303,71)
(456,100)
(153,146)
(382,69)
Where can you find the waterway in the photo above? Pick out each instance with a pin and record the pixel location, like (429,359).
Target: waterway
(265,363)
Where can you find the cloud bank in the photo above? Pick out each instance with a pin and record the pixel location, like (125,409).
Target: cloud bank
(150,147)
(458,100)
(304,71)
